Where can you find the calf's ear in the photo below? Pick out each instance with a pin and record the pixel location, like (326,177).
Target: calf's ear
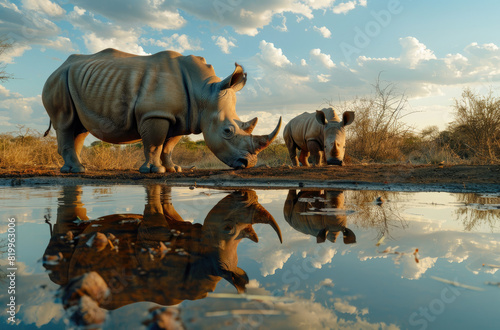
(348,117)
(236,80)
(320,117)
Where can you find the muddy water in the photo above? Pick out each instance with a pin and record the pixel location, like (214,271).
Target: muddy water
(135,257)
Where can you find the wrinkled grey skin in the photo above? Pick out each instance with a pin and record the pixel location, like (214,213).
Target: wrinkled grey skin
(125,98)
(310,212)
(317,134)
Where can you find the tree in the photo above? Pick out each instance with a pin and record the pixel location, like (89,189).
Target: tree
(4,46)
(378,130)
(477,123)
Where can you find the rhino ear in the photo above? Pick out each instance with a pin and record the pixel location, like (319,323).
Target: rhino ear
(348,117)
(320,117)
(236,80)
(349,236)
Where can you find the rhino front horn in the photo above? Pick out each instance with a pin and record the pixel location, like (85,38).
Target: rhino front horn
(262,141)
(263,216)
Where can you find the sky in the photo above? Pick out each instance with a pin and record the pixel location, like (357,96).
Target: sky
(300,55)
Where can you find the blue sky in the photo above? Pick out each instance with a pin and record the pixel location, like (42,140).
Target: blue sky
(298,53)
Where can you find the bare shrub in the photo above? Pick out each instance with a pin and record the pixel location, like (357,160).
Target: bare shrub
(476,127)
(428,147)
(5,45)
(377,133)
(275,154)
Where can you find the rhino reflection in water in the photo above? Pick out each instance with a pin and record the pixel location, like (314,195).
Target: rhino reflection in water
(154,257)
(123,98)
(318,213)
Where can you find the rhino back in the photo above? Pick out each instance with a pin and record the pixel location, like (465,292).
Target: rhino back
(112,92)
(304,128)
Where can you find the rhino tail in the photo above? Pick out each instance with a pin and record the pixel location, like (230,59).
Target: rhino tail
(48,130)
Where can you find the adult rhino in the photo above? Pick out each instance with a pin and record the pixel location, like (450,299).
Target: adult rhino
(123,98)
(315,134)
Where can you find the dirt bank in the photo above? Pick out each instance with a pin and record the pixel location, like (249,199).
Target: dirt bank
(372,176)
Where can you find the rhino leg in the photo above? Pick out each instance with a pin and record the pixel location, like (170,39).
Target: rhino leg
(293,156)
(166,155)
(69,146)
(153,133)
(290,145)
(303,157)
(316,151)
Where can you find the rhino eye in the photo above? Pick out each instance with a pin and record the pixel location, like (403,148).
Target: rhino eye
(228,132)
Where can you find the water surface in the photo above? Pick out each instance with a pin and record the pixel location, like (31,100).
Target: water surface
(134,256)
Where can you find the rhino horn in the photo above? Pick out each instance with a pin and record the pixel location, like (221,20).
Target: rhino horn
(263,216)
(249,125)
(261,142)
(249,233)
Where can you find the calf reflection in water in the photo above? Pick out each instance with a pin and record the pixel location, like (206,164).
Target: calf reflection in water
(318,213)
(156,257)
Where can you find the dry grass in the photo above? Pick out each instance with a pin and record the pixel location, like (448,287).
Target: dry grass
(28,149)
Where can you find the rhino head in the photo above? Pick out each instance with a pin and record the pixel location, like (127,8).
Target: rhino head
(334,136)
(230,221)
(229,138)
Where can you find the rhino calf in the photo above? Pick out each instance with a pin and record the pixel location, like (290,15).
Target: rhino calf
(316,134)
(124,98)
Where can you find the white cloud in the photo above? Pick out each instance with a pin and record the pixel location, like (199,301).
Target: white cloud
(246,17)
(28,27)
(323,31)
(344,307)
(272,55)
(16,50)
(282,27)
(320,4)
(59,43)
(414,52)
(45,6)
(176,42)
(322,58)
(123,40)
(18,109)
(136,13)
(224,44)
(99,35)
(344,7)
(323,78)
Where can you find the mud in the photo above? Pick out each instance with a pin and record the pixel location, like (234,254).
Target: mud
(457,178)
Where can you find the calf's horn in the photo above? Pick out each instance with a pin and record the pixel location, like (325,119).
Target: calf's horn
(261,142)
